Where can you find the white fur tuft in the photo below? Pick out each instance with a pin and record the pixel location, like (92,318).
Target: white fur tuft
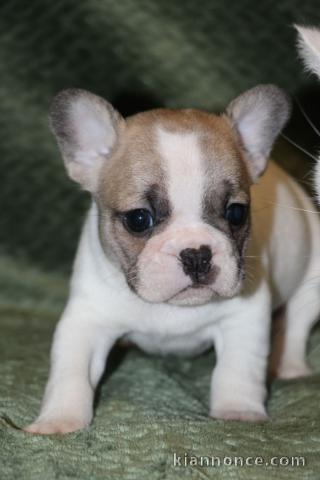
(309,47)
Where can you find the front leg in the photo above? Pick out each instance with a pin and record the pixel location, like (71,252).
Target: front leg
(80,347)
(238,387)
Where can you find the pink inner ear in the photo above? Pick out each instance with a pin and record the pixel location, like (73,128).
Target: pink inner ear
(94,128)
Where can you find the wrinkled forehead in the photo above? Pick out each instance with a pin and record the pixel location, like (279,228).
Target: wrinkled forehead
(184,157)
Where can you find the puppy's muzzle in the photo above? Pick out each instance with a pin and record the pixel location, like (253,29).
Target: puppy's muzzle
(196,263)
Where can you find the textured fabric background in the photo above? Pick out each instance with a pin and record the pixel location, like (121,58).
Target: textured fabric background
(138,54)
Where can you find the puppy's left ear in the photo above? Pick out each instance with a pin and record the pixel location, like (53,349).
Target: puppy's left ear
(87,129)
(258,117)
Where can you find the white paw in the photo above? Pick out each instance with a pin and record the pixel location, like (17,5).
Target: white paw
(49,427)
(291,370)
(240,415)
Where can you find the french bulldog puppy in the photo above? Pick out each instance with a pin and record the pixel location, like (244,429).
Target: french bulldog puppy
(180,251)
(309,48)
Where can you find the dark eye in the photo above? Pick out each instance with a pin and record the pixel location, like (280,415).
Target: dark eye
(138,221)
(236,214)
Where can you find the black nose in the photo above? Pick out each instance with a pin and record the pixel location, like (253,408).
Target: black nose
(196,262)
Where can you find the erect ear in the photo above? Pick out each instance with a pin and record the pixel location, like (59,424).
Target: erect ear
(258,116)
(309,47)
(87,130)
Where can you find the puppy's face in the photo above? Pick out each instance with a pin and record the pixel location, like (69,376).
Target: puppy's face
(309,49)
(172,188)
(174,206)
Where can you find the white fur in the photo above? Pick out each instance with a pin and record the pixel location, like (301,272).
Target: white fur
(182,155)
(309,49)
(101,308)
(316,179)
(161,277)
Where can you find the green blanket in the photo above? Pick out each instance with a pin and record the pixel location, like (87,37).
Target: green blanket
(149,409)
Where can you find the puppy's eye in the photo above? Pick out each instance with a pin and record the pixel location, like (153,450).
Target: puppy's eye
(236,214)
(138,221)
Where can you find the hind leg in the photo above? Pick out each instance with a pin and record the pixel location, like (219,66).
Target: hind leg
(301,313)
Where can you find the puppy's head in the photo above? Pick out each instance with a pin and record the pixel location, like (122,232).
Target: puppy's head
(172,187)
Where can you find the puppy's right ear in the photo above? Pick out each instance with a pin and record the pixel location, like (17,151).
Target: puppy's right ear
(87,129)
(258,116)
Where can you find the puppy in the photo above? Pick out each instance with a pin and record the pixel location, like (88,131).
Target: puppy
(174,227)
(309,48)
